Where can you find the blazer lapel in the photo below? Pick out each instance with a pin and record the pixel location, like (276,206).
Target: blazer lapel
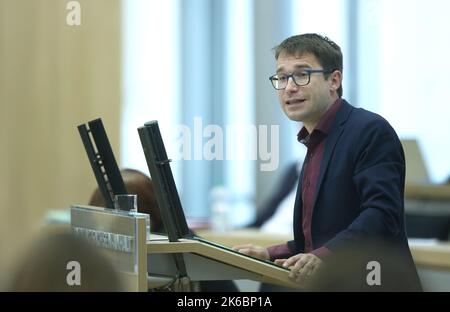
(298,205)
(332,139)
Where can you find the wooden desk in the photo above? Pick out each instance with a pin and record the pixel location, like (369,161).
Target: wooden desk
(244,236)
(433,265)
(438,192)
(433,256)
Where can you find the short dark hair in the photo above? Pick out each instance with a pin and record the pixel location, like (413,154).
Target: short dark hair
(327,52)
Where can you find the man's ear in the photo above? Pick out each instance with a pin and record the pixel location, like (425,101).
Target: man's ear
(336,80)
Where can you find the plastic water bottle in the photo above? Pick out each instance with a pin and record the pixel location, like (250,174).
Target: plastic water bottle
(220,206)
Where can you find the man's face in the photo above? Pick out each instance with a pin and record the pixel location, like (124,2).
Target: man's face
(305,103)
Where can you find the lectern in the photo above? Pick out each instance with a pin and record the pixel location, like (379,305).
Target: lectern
(146,262)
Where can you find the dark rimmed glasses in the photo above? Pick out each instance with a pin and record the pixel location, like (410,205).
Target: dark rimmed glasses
(300,78)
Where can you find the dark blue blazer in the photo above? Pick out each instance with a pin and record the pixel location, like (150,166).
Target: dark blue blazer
(360,190)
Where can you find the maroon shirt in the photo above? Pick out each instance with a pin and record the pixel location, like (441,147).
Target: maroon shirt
(315,142)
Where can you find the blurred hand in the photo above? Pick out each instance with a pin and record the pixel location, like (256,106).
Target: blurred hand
(302,266)
(254,251)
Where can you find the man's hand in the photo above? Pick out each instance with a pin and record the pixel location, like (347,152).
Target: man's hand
(254,251)
(302,266)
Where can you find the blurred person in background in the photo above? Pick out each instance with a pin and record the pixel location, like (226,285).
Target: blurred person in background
(138,183)
(45,266)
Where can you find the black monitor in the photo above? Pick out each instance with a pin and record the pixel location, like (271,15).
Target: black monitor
(166,192)
(102,160)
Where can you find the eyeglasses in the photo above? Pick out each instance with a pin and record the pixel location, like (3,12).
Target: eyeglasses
(300,78)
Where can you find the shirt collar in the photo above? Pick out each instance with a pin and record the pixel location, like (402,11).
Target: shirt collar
(324,124)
